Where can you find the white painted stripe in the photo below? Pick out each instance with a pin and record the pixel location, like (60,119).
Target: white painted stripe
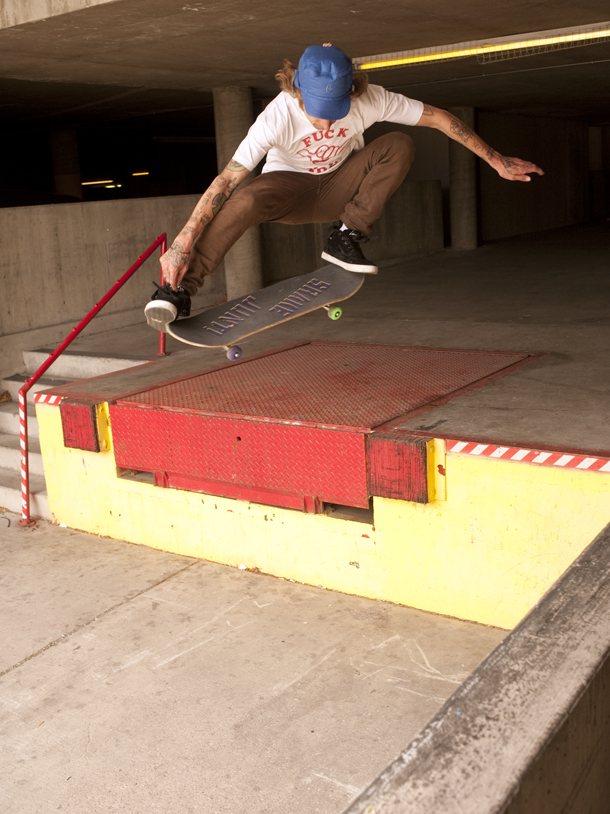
(21,413)
(564,460)
(479,449)
(541,457)
(520,455)
(605,467)
(459,446)
(586,463)
(499,452)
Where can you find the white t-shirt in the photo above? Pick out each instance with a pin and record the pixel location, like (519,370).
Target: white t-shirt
(285,135)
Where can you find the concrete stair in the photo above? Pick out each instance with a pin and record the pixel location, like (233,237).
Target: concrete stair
(70,366)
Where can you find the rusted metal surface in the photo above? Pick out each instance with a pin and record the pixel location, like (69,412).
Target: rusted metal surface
(332,384)
(304,503)
(79,425)
(293,425)
(398,466)
(275,457)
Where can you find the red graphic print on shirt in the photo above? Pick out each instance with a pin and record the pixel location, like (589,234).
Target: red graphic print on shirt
(324,153)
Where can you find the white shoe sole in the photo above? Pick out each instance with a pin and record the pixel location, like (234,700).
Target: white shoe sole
(159,313)
(349,266)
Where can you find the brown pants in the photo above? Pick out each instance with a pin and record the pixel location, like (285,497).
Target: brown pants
(354,194)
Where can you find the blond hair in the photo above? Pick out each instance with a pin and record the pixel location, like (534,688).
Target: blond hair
(285,76)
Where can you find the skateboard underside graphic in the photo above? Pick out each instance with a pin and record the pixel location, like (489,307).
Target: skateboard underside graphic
(224,325)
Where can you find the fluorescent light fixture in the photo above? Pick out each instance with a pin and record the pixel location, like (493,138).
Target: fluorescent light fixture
(110,186)
(92,183)
(547,40)
(140,173)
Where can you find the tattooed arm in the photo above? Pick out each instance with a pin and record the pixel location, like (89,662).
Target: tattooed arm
(513,169)
(175,261)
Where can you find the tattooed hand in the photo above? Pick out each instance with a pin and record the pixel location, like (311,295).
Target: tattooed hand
(174,264)
(513,169)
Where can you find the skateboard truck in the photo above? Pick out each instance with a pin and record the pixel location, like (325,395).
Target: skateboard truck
(233,352)
(333,311)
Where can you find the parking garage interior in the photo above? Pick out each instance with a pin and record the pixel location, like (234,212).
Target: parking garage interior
(109,134)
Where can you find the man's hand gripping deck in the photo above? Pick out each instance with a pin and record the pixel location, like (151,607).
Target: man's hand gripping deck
(226,324)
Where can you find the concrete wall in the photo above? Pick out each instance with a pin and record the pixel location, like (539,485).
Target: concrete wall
(57,261)
(411,223)
(18,12)
(529,731)
(559,146)
(559,198)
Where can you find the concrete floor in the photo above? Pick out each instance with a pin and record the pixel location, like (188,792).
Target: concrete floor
(137,681)
(547,292)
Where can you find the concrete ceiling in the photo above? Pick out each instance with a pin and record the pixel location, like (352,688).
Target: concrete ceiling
(122,59)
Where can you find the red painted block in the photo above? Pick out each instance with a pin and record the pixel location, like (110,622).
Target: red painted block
(79,424)
(263,456)
(305,503)
(398,466)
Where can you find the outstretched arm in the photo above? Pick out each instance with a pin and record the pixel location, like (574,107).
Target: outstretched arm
(513,169)
(175,261)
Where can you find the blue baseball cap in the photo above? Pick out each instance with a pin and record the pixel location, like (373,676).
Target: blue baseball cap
(324,78)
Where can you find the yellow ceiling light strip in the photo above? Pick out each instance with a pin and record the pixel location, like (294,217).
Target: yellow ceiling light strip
(478,48)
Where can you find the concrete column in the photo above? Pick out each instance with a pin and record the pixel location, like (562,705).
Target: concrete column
(463,188)
(66,166)
(233,116)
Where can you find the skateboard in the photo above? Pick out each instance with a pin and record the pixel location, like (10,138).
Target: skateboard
(226,324)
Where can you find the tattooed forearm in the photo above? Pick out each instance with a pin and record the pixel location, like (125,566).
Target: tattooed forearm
(427,111)
(209,205)
(461,131)
(218,202)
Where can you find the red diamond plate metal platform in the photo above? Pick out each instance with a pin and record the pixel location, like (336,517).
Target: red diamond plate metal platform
(290,427)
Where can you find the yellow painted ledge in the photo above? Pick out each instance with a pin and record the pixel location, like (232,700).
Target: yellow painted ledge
(487,553)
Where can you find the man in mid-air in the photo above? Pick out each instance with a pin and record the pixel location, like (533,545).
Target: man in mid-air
(318,170)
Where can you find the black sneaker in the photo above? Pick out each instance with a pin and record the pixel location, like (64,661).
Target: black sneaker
(343,249)
(166,305)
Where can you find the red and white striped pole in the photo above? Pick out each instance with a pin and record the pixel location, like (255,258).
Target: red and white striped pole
(26,520)
(25,469)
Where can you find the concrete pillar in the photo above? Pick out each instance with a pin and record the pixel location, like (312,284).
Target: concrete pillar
(66,166)
(463,188)
(233,116)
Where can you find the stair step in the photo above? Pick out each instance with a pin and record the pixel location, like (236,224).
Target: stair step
(81,364)
(10,454)
(13,384)
(9,419)
(10,494)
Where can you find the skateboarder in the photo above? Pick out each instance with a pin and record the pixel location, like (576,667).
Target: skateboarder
(318,170)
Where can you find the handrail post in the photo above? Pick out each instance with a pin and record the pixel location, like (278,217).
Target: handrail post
(29,383)
(162,351)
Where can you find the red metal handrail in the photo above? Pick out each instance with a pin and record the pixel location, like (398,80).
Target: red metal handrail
(161,241)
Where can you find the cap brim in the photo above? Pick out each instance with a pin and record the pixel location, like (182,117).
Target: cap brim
(329,109)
